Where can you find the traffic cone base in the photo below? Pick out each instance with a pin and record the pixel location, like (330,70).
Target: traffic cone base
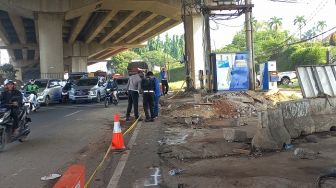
(118,141)
(117,137)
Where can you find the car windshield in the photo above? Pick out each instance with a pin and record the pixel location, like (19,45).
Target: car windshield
(87,82)
(41,83)
(122,81)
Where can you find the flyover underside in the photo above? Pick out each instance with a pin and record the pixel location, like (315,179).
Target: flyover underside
(102,28)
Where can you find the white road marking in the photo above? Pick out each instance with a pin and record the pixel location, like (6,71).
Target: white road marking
(73,113)
(123,159)
(156,175)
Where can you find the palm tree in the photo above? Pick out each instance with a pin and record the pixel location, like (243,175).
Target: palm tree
(275,23)
(320,27)
(301,21)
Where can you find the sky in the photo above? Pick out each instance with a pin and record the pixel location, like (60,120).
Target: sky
(313,10)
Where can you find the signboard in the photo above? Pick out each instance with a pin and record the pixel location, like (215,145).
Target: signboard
(231,72)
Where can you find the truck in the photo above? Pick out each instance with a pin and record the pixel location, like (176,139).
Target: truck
(134,66)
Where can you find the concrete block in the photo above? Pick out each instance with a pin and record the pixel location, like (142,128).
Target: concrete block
(297,117)
(263,141)
(277,127)
(234,135)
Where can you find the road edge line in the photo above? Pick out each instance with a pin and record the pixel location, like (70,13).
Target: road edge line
(123,159)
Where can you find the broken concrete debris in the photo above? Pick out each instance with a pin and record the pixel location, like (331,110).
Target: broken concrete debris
(304,153)
(234,135)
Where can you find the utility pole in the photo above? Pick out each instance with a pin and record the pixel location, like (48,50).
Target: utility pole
(207,50)
(249,45)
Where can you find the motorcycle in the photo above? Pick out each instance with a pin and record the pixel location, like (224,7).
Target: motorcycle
(6,130)
(65,96)
(30,101)
(110,98)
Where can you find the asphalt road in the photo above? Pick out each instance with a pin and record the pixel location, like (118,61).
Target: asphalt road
(60,135)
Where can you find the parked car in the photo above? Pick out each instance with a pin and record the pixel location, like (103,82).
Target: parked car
(122,83)
(50,91)
(284,78)
(87,89)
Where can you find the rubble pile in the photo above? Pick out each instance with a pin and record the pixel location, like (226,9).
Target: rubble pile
(223,105)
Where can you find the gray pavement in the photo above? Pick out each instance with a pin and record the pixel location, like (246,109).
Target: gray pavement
(59,134)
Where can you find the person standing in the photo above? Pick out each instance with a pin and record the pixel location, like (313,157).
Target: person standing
(157,94)
(148,87)
(133,88)
(164,81)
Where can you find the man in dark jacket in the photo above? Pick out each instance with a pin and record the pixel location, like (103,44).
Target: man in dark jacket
(148,88)
(12,98)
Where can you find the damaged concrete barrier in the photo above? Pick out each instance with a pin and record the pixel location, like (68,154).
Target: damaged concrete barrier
(272,134)
(234,135)
(297,117)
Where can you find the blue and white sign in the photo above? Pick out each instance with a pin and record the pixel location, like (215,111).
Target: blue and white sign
(231,72)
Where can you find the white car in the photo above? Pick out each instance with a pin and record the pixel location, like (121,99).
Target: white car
(50,91)
(284,78)
(88,89)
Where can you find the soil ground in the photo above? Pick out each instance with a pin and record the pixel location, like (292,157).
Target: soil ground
(206,159)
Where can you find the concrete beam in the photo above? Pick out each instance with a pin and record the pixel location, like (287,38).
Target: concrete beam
(164,21)
(111,53)
(19,46)
(78,27)
(18,26)
(82,8)
(23,63)
(100,26)
(94,48)
(120,26)
(168,25)
(139,25)
(3,34)
(165,9)
(16,8)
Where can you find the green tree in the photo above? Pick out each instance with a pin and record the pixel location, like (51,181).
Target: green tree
(275,23)
(311,55)
(300,21)
(120,61)
(320,27)
(158,58)
(8,70)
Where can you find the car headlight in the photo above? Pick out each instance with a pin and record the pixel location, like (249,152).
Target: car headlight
(41,94)
(93,92)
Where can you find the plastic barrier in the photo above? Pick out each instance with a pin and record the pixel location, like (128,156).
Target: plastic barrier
(74,177)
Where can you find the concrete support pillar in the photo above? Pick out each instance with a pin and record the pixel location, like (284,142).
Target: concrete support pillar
(18,74)
(76,55)
(79,64)
(51,45)
(195,47)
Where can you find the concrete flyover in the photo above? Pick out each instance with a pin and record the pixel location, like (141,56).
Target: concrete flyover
(54,36)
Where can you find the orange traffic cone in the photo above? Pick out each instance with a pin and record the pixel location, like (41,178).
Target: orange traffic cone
(117,137)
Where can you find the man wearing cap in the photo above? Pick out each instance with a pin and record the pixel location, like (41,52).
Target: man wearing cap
(12,98)
(133,89)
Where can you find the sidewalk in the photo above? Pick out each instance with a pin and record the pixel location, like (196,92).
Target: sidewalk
(142,167)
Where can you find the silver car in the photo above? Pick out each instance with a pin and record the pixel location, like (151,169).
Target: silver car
(50,91)
(88,89)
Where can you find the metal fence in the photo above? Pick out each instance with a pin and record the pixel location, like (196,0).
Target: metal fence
(317,80)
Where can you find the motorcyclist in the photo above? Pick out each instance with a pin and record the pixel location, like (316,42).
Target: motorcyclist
(32,88)
(112,85)
(12,98)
